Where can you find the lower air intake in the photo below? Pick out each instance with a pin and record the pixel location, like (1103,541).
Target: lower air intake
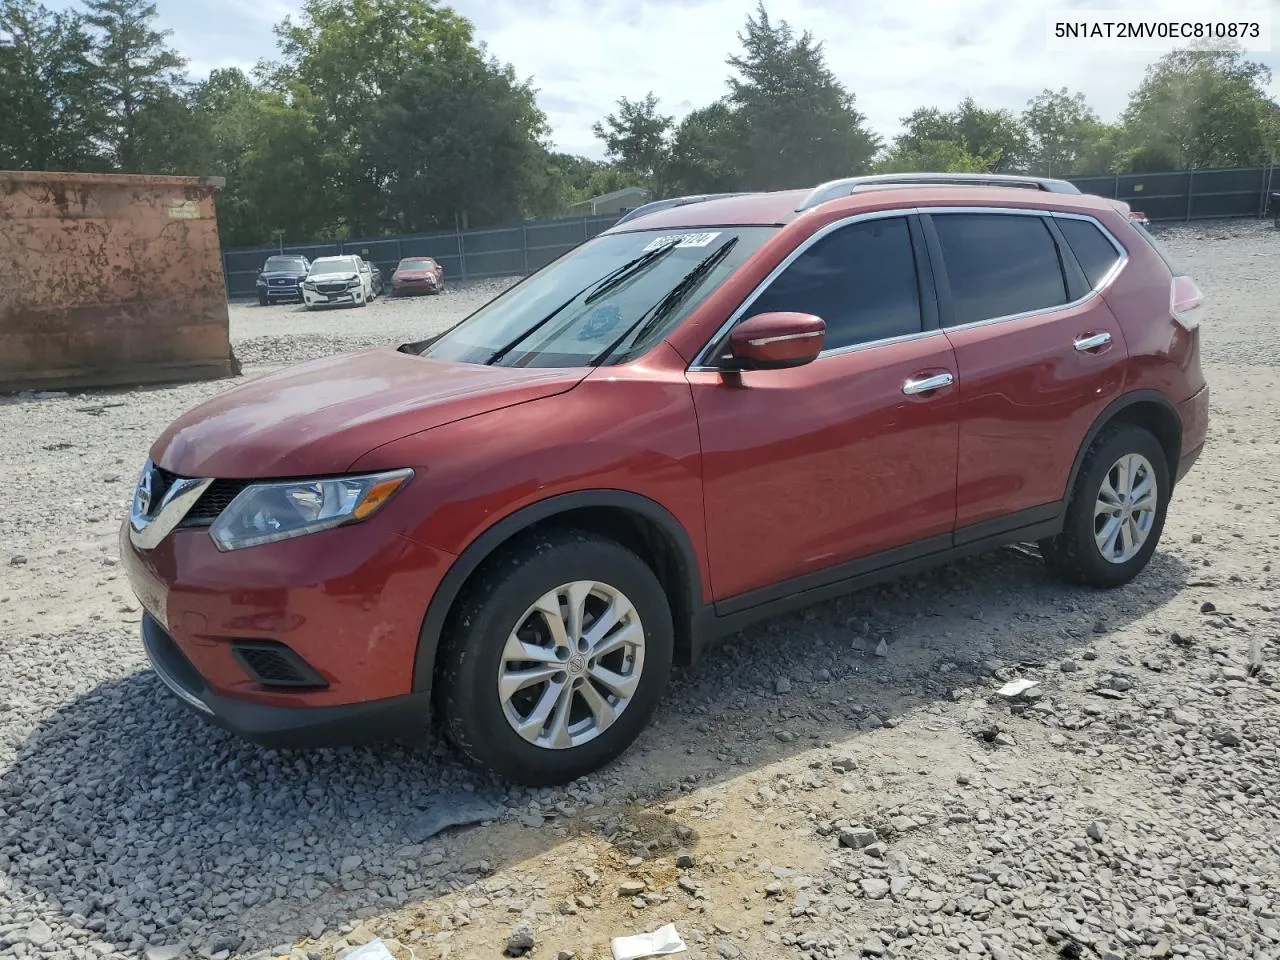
(273,664)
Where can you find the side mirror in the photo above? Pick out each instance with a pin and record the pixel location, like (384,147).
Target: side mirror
(775,341)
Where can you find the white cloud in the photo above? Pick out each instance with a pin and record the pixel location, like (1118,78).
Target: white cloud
(585,54)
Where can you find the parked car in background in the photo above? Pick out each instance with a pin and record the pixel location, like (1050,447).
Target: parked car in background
(337,280)
(713,413)
(417,275)
(280,278)
(376,284)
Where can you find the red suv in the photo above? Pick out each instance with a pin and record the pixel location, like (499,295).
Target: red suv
(713,412)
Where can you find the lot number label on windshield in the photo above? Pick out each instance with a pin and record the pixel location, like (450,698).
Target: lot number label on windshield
(685,240)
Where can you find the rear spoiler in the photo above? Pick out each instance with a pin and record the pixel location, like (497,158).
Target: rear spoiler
(1137,216)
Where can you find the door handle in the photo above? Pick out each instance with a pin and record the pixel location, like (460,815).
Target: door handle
(927,384)
(1093,341)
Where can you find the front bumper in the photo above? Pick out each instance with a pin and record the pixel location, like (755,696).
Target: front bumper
(314,298)
(348,602)
(283,727)
(403,287)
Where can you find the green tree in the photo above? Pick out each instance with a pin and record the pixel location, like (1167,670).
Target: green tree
(350,53)
(136,76)
(354,60)
(705,152)
(1199,109)
(1062,133)
(45,89)
(994,139)
(1102,150)
(456,136)
(269,150)
(794,124)
(934,156)
(637,139)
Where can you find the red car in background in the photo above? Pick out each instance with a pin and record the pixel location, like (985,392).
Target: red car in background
(417,275)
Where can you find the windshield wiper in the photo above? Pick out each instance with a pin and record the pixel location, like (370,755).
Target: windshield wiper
(594,290)
(664,307)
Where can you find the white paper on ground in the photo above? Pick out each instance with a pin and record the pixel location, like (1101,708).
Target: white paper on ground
(373,950)
(660,943)
(1017,687)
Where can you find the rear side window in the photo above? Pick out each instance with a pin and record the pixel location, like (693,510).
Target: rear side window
(1095,253)
(1158,247)
(999,265)
(860,279)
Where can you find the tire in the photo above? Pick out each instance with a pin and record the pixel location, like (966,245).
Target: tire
(1074,554)
(262,300)
(498,601)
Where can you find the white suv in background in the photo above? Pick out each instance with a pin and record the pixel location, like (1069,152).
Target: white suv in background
(337,280)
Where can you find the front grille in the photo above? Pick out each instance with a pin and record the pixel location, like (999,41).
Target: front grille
(272,664)
(331,287)
(213,501)
(283,282)
(161,481)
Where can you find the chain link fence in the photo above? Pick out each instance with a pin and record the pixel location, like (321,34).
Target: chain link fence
(518,250)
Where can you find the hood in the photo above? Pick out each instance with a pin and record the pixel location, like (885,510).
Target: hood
(331,277)
(320,417)
(291,274)
(415,274)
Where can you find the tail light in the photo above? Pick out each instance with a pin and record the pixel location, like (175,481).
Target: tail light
(1185,300)
(1137,216)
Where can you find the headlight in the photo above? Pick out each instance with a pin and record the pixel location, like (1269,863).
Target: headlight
(309,284)
(357,282)
(266,512)
(261,282)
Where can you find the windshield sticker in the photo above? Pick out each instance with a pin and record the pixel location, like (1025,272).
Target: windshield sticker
(684,240)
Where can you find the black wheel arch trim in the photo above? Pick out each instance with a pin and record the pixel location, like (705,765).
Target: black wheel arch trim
(1108,414)
(482,546)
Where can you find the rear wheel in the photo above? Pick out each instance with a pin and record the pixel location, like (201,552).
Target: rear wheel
(555,658)
(1117,510)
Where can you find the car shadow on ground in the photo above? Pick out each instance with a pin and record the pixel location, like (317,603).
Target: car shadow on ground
(124,811)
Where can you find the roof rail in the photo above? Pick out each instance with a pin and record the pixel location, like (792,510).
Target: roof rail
(656,205)
(843,188)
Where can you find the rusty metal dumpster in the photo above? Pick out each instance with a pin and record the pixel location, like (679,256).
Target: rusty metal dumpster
(109,280)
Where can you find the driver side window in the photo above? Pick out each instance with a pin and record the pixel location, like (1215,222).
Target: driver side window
(860,279)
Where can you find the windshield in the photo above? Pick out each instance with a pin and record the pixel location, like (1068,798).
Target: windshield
(586,322)
(333,266)
(416,264)
(284,263)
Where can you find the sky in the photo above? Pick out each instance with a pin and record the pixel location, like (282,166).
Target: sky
(582,55)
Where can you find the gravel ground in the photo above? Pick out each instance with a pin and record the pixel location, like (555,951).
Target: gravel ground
(840,783)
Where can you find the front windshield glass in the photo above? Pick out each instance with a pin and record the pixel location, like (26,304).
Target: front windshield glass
(581,331)
(284,263)
(416,264)
(333,266)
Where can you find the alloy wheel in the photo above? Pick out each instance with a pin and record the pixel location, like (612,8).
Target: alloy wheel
(572,665)
(1125,510)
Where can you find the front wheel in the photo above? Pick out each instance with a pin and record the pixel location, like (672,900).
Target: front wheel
(262,300)
(555,658)
(1116,512)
